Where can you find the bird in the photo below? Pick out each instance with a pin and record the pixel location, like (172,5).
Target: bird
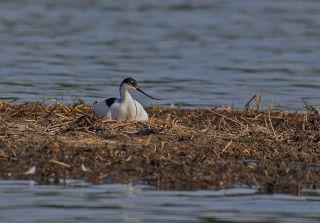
(125,108)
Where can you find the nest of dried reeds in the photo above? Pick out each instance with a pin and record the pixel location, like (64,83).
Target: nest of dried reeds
(176,148)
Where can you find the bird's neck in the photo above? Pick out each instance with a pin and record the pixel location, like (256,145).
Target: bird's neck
(125,95)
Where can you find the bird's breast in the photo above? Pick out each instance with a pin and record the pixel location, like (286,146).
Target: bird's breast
(128,110)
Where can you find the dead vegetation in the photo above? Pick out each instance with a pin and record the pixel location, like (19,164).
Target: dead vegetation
(177,148)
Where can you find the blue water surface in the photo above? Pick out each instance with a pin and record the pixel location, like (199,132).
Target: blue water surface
(195,53)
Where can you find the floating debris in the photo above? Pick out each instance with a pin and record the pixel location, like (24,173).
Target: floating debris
(31,171)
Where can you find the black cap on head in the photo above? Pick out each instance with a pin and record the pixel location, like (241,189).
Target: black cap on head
(130,81)
(133,83)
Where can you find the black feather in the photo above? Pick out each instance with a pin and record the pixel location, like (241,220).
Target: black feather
(110,101)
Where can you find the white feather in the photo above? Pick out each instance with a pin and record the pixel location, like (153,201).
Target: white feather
(31,171)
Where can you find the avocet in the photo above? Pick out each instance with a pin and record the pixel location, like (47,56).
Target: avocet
(123,108)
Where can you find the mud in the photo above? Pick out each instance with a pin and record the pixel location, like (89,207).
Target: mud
(182,149)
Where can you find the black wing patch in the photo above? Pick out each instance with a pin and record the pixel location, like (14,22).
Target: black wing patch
(110,101)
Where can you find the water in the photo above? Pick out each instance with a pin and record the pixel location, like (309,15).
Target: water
(24,201)
(191,53)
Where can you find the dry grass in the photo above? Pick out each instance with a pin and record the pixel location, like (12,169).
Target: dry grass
(176,148)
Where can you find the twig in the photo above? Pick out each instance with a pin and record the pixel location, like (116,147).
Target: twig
(52,110)
(270,121)
(310,108)
(60,163)
(230,119)
(248,103)
(227,146)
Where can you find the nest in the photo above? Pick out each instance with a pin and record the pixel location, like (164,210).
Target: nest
(275,151)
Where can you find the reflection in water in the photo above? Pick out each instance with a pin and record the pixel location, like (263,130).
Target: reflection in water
(194,53)
(24,201)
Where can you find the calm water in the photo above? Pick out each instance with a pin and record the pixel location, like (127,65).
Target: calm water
(26,202)
(191,53)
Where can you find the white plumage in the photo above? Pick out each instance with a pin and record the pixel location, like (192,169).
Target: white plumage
(123,108)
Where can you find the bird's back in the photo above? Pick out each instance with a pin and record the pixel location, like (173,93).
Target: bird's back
(103,107)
